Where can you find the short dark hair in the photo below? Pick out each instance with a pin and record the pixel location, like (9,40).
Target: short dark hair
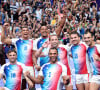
(75,32)
(43,24)
(24,27)
(87,31)
(54,48)
(12,51)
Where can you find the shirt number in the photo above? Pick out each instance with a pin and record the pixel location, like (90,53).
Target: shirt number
(13,75)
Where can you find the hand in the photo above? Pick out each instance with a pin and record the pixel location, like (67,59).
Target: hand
(96,57)
(45,45)
(37,67)
(66,80)
(27,73)
(30,84)
(6,24)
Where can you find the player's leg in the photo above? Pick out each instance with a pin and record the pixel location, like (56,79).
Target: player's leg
(79,82)
(1,88)
(86,86)
(80,86)
(94,82)
(86,81)
(69,87)
(94,86)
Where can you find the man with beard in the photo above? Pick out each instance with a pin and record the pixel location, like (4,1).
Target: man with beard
(80,60)
(51,73)
(62,55)
(24,47)
(94,58)
(45,36)
(13,71)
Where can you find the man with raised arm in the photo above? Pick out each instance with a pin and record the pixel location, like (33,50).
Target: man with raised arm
(24,47)
(51,73)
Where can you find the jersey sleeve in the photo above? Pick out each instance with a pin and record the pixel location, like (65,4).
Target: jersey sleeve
(35,45)
(98,48)
(68,48)
(24,68)
(2,69)
(64,70)
(14,41)
(85,44)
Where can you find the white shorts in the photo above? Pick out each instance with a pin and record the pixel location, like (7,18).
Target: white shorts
(31,70)
(95,79)
(82,78)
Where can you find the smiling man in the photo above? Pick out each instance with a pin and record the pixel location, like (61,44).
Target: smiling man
(62,55)
(94,57)
(13,72)
(24,47)
(80,60)
(51,73)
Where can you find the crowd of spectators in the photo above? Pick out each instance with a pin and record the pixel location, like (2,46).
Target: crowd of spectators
(80,16)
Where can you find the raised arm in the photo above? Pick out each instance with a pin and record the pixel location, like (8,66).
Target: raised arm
(3,36)
(37,54)
(61,23)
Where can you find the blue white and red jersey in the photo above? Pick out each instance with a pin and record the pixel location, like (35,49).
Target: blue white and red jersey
(24,51)
(63,57)
(95,64)
(79,55)
(52,74)
(13,74)
(37,44)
